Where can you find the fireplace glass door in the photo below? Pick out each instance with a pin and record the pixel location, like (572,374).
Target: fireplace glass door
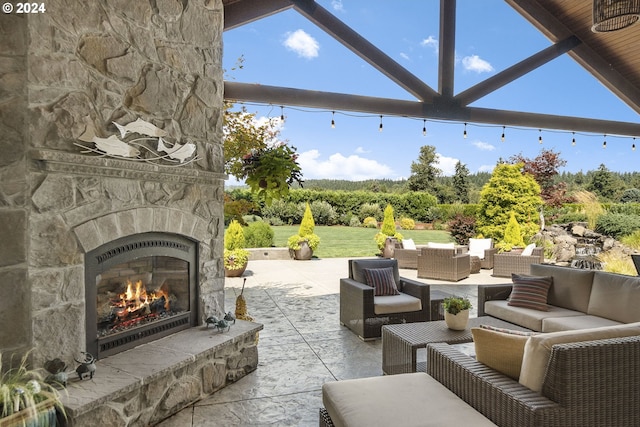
(139,289)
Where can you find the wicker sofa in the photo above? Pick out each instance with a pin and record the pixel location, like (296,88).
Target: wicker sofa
(444,264)
(587,384)
(577,299)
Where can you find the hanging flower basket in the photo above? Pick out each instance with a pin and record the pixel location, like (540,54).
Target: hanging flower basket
(270,171)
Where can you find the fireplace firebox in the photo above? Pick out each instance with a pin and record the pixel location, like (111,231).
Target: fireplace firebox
(138,289)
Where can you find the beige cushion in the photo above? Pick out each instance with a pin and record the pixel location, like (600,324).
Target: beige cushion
(501,351)
(528,250)
(408,400)
(571,287)
(569,323)
(401,303)
(615,297)
(537,350)
(441,245)
(530,319)
(408,244)
(478,246)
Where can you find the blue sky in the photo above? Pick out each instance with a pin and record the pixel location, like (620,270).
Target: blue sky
(288,50)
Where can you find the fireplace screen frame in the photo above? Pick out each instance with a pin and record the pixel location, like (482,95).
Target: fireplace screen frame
(128,249)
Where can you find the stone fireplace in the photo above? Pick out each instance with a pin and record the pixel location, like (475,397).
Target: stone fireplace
(76,226)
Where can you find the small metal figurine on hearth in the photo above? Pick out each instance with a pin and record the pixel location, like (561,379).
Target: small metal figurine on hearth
(87,367)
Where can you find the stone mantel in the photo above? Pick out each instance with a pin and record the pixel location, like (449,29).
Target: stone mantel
(93,165)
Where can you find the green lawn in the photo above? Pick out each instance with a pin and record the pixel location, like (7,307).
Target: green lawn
(343,242)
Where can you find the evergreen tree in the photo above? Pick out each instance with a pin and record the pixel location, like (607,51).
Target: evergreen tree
(605,184)
(461,183)
(509,190)
(424,172)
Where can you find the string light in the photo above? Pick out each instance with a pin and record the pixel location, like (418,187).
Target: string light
(282,113)
(573,140)
(380,128)
(604,143)
(540,136)
(424,127)
(633,146)
(464,134)
(502,137)
(333,122)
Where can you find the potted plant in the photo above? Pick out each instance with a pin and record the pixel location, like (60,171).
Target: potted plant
(456,312)
(271,170)
(306,241)
(387,237)
(236,257)
(26,399)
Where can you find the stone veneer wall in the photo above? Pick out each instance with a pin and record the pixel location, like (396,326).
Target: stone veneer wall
(83,64)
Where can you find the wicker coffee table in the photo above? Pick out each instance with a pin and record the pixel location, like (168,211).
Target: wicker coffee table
(401,342)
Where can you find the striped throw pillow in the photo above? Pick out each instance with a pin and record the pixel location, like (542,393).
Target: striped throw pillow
(382,280)
(530,291)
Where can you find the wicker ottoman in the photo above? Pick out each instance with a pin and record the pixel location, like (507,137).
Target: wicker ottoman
(475,264)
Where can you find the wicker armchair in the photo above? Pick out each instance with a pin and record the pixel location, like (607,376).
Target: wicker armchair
(512,262)
(483,249)
(357,301)
(443,264)
(589,383)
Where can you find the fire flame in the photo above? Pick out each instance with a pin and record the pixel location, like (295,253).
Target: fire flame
(136,297)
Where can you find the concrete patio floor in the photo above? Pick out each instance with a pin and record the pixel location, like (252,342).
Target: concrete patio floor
(302,345)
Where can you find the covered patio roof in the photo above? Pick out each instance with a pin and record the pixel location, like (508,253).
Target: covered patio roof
(613,58)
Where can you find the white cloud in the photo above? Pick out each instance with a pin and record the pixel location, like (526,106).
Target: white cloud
(477,64)
(431,42)
(484,146)
(361,150)
(486,168)
(337,166)
(405,56)
(446,164)
(302,43)
(337,5)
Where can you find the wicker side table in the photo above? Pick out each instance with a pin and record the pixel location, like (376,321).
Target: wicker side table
(400,342)
(475,264)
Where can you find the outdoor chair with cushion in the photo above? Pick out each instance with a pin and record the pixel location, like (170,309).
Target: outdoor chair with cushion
(517,262)
(484,250)
(407,255)
(374,295)
(444,264)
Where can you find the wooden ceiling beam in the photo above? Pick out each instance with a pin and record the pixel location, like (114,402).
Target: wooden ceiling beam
(330,101)
(446,51)
(364,49)
(245,11)
(516,71)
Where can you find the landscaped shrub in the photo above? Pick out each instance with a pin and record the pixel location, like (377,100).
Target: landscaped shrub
(234,236)
(632,240)
(462,228)
(248,219)
(630,195)
(370,210)
(617,225)
(287,212)
(274,221)
(323,213)
(407,223)
(564,218)
(258,235)
(388,228)
(305,232)
(512,235)
(355,222)
(370,222)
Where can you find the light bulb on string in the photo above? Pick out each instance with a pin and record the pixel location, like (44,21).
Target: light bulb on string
(333,122)
(282,113)
(604,143)
(380,128)
(540,136)
(502,136)
(633,146)
(464,133)
(573,140)
(424,127)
